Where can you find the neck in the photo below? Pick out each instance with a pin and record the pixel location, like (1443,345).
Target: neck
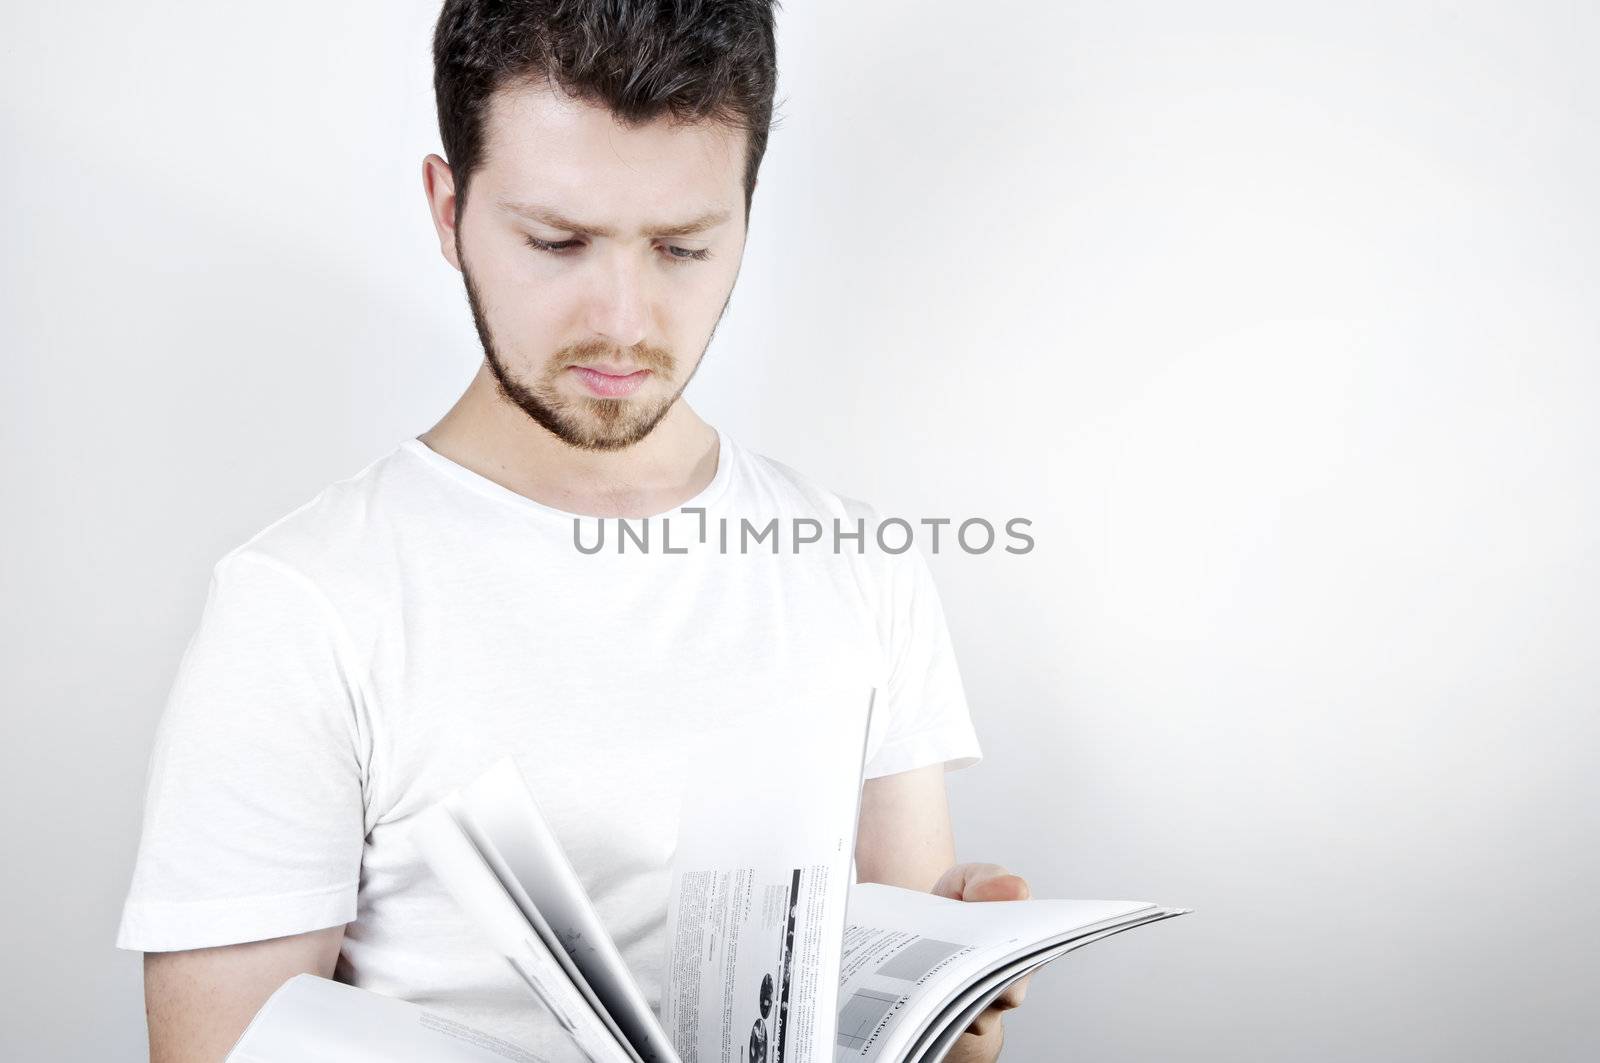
(490,435)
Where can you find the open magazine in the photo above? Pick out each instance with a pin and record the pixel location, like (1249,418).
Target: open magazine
(774,954)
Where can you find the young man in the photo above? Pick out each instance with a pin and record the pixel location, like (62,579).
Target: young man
(387,641)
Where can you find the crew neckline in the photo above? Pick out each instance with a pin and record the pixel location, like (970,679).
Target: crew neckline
(484,486)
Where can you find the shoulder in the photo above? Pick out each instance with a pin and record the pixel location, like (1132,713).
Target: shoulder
(880,553)
(339,541)
(794,491)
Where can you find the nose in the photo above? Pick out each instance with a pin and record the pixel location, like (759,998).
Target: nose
(619,303)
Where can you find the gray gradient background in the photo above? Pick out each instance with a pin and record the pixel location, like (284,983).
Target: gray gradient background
(1279,320)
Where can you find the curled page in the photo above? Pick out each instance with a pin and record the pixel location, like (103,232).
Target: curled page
(910,957)
(941,1035)
(500,814)
(471,881)
(760,882)
(317,1020)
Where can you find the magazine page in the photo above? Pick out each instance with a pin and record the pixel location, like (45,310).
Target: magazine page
(760,881)
(941,1034)
(500,814)
(463,870)
(908,955)
(316,1020)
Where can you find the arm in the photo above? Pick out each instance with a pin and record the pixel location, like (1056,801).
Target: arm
(904,836)
(197,1002)
(904,839)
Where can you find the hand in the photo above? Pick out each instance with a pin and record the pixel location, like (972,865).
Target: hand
(985,882)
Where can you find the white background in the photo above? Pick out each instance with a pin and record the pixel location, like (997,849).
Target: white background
(1278,320)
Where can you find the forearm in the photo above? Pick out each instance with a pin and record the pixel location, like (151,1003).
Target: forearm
(904,839)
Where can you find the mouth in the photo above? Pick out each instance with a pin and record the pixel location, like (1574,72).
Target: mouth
(611,382)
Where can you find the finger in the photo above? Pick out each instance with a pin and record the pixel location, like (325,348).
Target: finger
(999,885)
(987,1020)
(955,882)
(1013,995)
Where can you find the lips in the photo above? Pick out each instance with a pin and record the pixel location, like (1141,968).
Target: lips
(611,383)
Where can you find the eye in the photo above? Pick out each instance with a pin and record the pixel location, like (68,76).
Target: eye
(561,247)
(555,248)
(684,254)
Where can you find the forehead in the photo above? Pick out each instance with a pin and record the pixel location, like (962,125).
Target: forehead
(542,145)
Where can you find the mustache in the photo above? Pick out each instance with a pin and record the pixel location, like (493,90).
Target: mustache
(598,352)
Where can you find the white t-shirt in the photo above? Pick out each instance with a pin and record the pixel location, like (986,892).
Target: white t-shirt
(389,640)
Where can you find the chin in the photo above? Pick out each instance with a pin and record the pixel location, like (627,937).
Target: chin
(614,424)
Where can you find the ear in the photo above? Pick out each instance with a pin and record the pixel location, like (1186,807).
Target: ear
(440,185)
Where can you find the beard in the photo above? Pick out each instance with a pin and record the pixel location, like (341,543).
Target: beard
(588,422)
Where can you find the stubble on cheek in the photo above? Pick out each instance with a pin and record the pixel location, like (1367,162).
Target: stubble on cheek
(589,422)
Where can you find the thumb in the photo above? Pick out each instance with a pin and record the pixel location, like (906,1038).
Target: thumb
(981,882)
(1002,887)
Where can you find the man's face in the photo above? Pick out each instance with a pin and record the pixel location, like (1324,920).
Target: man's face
(598,259)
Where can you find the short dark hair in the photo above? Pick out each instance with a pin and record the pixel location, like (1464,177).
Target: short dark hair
(686,60)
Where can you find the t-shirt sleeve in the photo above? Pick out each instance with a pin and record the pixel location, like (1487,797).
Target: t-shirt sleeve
(928,719)
(253,820)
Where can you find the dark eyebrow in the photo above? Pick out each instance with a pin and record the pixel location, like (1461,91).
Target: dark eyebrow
(556,220)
